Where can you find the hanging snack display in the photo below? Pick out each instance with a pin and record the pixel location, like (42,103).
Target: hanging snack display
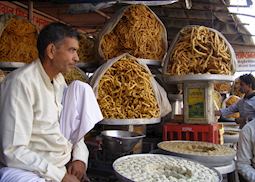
(75,74)
(125,91)
(228,102)
(236,88)
(222,87)
(86,51)
(200,49)
(2,75)
(137,31)
(217,100)
(18,40)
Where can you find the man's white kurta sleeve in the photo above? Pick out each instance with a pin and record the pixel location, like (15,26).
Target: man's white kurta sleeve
(244,154)
(81,152)
(16,126)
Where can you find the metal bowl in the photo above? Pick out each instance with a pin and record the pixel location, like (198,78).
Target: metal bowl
(118,141)
(208,160)
(233,138)
(123,178)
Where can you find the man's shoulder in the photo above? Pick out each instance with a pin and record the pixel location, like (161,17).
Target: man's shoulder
(27,71)
(249,126)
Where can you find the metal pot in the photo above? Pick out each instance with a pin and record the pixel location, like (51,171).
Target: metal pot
(118,141)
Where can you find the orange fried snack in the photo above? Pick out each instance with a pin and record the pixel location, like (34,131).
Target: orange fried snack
(18,41)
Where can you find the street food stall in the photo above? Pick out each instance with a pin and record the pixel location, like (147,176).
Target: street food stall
(159,70)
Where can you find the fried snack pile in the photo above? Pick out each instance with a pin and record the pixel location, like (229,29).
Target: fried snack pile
(217,100)
(125,92)
(236,88)
(229,101)
(196,148)
(18,42)
(222,87)
(75,74)
(199,50)
(138,32)
(2,75)
(86,51)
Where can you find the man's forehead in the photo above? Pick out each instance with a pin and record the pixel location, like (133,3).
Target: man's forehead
(69,41)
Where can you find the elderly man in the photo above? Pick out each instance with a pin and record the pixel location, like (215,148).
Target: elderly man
(42,121)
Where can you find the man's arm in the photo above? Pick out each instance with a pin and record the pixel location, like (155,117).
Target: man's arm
(229,110)
(245,155)
(16,127)
(79,163)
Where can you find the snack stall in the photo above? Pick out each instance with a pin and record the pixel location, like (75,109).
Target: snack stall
(129,62)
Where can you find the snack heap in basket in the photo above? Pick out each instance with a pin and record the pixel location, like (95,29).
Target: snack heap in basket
(138,32)
(196,148)
(2,75)
(222,87)
(75,74)
(236,88)
(228,102)
(86,51)
(217,100)
(125,91)
(229,132)
(151,168)
(18,41)
(199,50)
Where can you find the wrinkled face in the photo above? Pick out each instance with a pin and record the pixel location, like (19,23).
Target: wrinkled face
(244,88)
(65,55)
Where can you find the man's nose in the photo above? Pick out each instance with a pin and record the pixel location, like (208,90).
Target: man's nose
(76,57)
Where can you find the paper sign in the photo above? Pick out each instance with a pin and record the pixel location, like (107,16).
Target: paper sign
(245,61)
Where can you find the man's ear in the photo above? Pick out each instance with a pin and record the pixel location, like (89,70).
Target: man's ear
(50,50)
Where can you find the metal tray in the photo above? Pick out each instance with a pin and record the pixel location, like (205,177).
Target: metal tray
(223,119)
(197,77)
(149,61)
(231,138)
(141,121)
(85,65)
(124,179)
(12,64)
(211,161)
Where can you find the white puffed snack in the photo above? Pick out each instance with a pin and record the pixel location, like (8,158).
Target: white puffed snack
(163,168)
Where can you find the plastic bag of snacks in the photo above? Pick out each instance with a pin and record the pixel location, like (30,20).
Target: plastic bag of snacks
(18,39)
(75,74)
(235,90)
(87,49)
(2,76)
(126,89)
(199,49)
(135,30)
(232,99)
